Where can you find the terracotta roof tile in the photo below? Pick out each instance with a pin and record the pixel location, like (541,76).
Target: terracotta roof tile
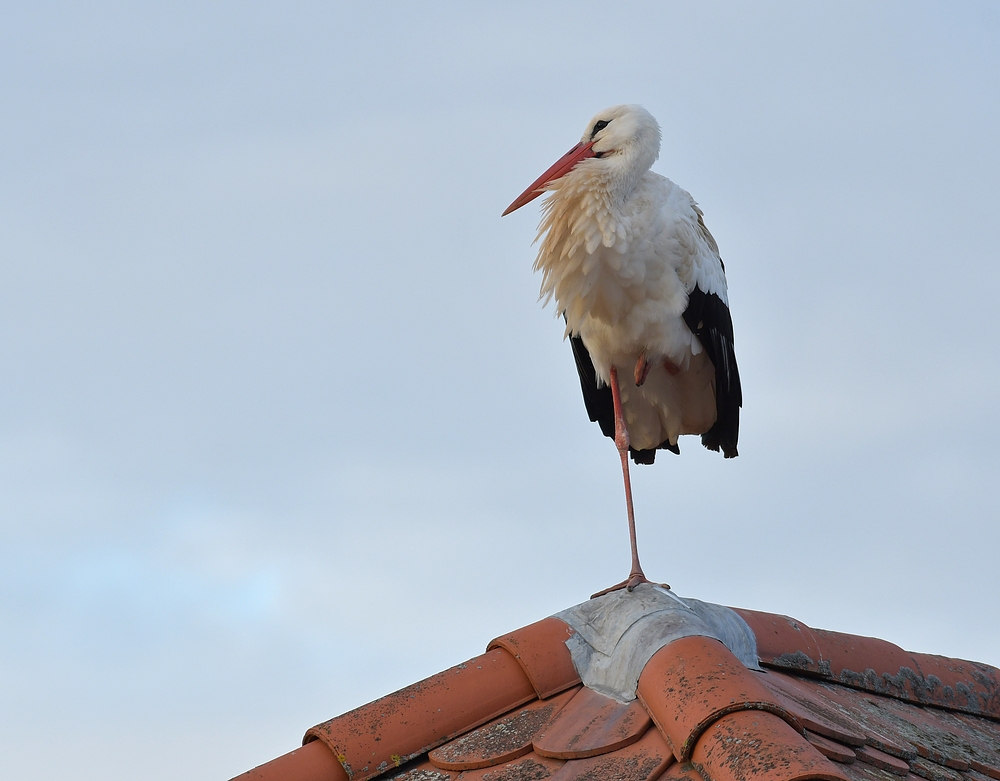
(954,682)
(983,738)
(880,732)
(988,770)
(694,681)
(934,772)
(879,759)
(831,749)
(501,740)
(861,772)
(759,745)
(388,732)
(643,760)
(530,767)
(311,762)
(783,641)
(932,737)
(681,771)
(876,665)
(702,714)
(592,724)
(540,649)
(861,661)
(951,740)
(418,771)
(811,711)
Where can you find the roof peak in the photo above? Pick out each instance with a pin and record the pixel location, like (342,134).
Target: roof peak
(618,633)
(702,707)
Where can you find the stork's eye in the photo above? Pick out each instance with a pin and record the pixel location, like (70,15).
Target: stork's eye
(599,126)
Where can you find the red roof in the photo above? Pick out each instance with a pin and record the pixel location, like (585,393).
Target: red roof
(819,705)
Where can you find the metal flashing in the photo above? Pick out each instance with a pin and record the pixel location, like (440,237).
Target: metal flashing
(616,634)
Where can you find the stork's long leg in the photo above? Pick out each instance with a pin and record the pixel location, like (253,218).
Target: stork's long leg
(636,576)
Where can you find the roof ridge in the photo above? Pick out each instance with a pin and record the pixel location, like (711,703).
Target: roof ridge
(875,665)
(396,728)
(710,708)
(541,650)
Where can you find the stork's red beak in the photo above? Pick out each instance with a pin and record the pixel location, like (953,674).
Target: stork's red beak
(562,166)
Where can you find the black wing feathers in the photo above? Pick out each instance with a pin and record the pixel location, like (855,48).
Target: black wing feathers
(709,319)
(600,405)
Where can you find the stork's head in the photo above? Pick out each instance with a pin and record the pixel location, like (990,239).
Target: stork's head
(627,132)
(619,145)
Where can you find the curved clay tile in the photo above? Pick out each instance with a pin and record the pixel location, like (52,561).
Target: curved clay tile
(830,749)
(540,649)
(502,740)
(972,687)
(783,641)
(681,771)
(875,665)
(592,724)
(693,682)
(530,767)
(875,758)
(754,745)
(388,732)
(311,762)
(643,760)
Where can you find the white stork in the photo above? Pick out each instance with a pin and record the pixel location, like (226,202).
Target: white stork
(639,281)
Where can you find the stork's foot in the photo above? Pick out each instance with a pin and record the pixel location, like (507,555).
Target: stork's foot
(633,580)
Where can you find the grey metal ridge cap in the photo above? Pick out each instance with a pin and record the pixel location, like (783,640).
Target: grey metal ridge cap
(616,634)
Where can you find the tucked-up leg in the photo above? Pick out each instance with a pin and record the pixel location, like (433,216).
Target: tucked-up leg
(642,367)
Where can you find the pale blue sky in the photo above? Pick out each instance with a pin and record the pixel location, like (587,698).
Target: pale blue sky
(283,427)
